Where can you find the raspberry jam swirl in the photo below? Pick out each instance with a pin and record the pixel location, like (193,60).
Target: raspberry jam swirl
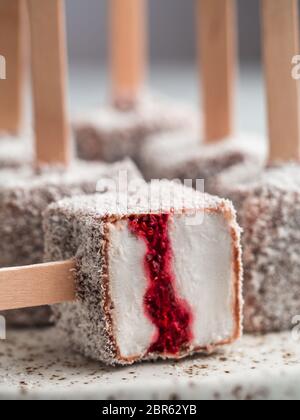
(166,310)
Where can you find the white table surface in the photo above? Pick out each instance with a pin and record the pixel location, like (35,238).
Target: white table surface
(36,365)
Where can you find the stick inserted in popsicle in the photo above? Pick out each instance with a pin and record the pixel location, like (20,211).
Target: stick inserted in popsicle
(49,71)
(281,44)
(12,51)
(217,62)
(37,285)
(127,49)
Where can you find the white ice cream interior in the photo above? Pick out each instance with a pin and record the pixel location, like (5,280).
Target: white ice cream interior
(204,275)
(133,331)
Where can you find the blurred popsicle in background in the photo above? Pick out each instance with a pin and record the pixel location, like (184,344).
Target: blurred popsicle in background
(182,155)
(121,127)
(15,136)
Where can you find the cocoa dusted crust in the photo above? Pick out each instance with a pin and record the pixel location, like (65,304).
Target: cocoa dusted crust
(24,196)
(78,229)
(268,206)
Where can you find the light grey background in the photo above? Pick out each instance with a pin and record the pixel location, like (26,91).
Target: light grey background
(171,29)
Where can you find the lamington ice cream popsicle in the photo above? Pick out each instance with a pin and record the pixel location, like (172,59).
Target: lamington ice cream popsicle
(15,146)
(182,155)
(156,274)
(26,192)
(120,128)
(268,203)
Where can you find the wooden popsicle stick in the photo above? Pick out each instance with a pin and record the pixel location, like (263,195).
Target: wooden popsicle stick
(12,52)
(49,70)
(37,285)
(217,64)
(127,49)
(281,43)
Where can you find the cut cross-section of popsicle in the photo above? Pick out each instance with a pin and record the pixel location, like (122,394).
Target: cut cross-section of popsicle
(150,283)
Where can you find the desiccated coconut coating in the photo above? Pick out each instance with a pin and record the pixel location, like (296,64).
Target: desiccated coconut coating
(110,134)
(14,152)
(268,208)
(24,195)
(182,156)
(78,228)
